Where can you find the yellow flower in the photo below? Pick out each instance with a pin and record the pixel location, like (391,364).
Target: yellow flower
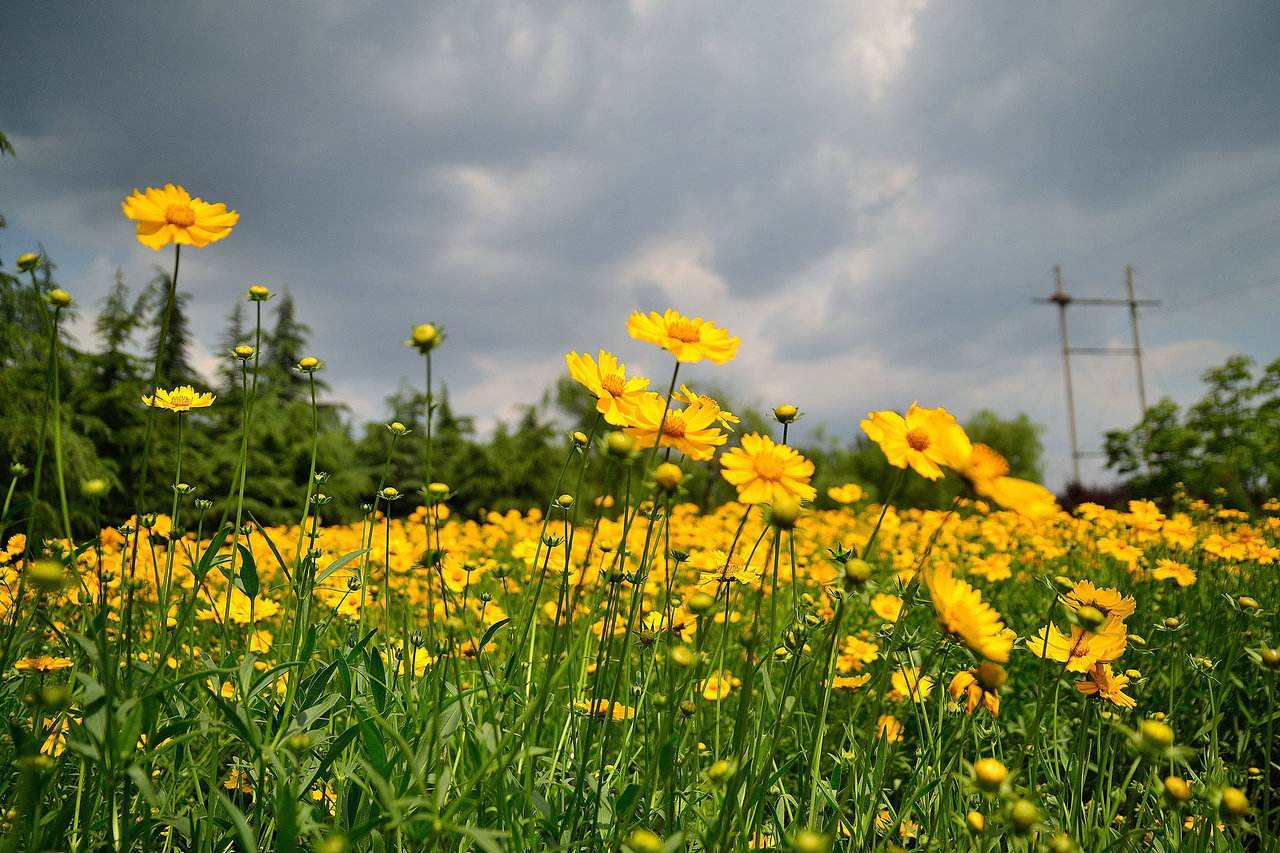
(1105,684)
(765,472)
(887,607)
(686,395)
(1173,570)
(718,686)
(909,683)
(847,494)
(690,430)
(1111,602)
(966,684)
(888,727)
(606,379)
(924,440)
(171,215)
(42,664)
(988,471)
(182,399)
(1083,649)
(850,682)
(689,340)
(964,615)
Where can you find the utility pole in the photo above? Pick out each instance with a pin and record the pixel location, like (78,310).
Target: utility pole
(1062,299)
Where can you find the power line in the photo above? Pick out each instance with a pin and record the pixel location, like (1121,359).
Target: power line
(1062,299)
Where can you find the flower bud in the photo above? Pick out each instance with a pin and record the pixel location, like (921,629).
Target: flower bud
(989,773)
(28,261)
(856,572)
(1061,843)
(991,676)
(1177,789)
(94,488)
(1091,618)
(309,364)
(425,337)
(668,476)
(976,822)
(720,771)
(1248,602)
(1023,816)
(244,352)
(620,444)
(1271,658)
(644,841)
(59,298)
(701,602)
(47,575)
(1234,803)
(786,413)
(1155,734)
(683,656)
(259,293)
(565,501)
(397,428)
(785,513)
(389,493)
(808,841)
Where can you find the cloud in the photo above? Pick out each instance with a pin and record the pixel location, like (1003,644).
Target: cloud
(868,194)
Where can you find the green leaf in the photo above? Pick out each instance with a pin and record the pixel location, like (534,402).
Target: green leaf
(338,564)
(248,579)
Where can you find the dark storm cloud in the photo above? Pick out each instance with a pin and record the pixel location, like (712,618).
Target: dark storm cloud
(868,193)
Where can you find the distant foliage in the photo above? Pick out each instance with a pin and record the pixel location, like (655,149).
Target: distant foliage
(1225,447)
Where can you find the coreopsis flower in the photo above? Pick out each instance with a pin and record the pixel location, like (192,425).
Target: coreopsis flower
(42,664)
(1108,685)
(964,615)
(180,400)
(765,472)
(887,607)
(689,340)
(973,687)
(606,378)
(908,683)
(687,395)
(1111,602)
(1180,573)
(888,727)
(855,653)
(988,472)
(604,709)
(847,494)
(1082,650)
(924,440)
(719,685)
(691,430)
(172,215)
(850,682)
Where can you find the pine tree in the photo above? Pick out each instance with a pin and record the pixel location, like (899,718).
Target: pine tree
(284,348)
(175,362)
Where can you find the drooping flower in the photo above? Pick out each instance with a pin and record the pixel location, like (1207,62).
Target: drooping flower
(966,688)
(988,471)
(687,395)
(1083,649)
(924,440)
(690,430)
(764,472)
(1110,602)
(182,399)
(1105,684)
(688,339)
(606,378)
(964,615)
(888,727)
(171,215)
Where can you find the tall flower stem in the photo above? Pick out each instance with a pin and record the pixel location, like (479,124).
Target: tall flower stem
(242,466)
(172,549)
(815,754)
(56,381)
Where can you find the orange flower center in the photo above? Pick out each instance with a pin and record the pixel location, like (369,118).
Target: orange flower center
(180,401)
(674,425)
(918,439)
(614,384)
(768,466)
(180,215)
(683,330)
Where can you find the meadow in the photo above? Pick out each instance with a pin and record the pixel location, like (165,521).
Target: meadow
(621,667)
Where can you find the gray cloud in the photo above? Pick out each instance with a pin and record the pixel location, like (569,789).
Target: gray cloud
(869,194)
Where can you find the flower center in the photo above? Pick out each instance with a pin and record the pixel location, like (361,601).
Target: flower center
(180,215)
(768,467)
(674,425)
(683,330)
(614,384)
(918,439)
(180,401)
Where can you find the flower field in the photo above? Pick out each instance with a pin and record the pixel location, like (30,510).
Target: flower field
(625,667)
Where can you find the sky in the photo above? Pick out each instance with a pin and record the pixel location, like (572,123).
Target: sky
(868,194)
